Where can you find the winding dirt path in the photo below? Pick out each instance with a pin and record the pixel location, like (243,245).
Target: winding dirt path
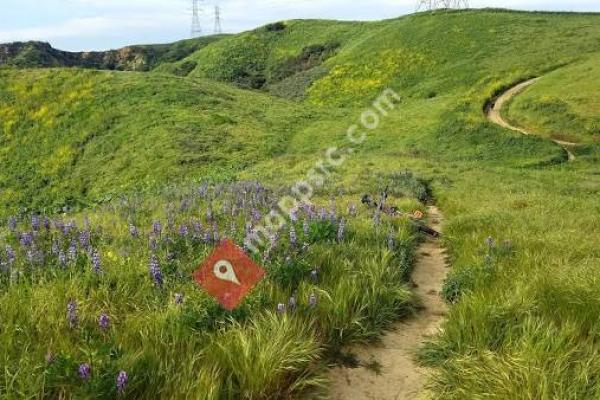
(401,378)
(494,113)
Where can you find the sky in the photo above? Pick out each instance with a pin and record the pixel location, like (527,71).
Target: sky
(79,25)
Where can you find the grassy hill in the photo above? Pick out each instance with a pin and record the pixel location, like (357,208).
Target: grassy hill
(108,133)
(131,58)
(265,105)
(564,105)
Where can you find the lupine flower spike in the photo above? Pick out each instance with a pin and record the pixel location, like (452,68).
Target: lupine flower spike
(85,371)
(104,321)
(122,379)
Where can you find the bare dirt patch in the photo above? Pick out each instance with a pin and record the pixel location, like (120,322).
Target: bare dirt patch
(394,373)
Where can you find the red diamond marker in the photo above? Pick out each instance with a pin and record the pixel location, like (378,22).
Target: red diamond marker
(228,274)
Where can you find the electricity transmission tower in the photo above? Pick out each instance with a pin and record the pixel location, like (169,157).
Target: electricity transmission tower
(430,5)
(218,28)
(196,26)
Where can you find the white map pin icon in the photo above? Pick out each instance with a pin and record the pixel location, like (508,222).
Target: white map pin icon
(224,271)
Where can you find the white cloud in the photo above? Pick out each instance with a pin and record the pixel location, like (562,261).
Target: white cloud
(92,26)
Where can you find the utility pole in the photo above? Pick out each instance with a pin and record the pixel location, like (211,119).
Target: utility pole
(218,28)
(196,26)
(431,5)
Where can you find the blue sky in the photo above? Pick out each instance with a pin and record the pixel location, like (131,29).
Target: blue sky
(104,24)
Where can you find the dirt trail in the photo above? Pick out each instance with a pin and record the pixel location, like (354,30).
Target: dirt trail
(401,378)
(495,108)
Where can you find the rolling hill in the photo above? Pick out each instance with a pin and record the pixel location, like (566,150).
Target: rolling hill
(522,229)
(132,58)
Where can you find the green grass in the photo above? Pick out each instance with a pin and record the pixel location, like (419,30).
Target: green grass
(522,324)
(563,105)
(110,133)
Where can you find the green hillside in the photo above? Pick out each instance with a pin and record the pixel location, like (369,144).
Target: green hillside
(108,133)
(564,105)
(522,223)
(132,58)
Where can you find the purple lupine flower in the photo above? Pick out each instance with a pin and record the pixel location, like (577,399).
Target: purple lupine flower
(26,239)
(84,238)
(35,222)
(183,231)
(133,231)
(294,215)
(47,225)
(293,238)
(96,262)
(178,298)
(72,251)
(55,247)
(12,224)
(312,300)
(85,371)
(10,255)
(62,259)
(209,214)
(104,321)
(72,313)
(122,379)
(155,271)
(490,242)
(68,227)
(256,216)
(281,308)
(341,230)
(207,237)
(157,228)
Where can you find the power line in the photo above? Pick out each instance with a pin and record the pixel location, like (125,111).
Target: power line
(430,5)
(196,26)
(218,28)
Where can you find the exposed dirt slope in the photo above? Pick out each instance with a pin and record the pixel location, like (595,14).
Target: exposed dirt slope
(495,109)
(401,377)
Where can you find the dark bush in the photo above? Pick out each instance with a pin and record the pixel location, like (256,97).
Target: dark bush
(275,27)
(310,57)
